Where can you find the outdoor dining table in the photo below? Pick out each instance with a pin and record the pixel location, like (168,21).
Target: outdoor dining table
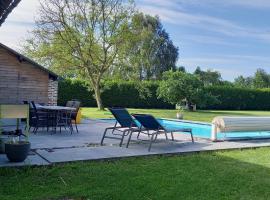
(57,108)
(55,113)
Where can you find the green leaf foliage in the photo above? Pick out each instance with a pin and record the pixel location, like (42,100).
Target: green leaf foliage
(232,98)
(144,95)
(178,87)
(115,94)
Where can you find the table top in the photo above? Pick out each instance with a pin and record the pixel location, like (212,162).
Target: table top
(56,108)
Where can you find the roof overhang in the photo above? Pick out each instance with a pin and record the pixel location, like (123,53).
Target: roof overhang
(23,58)
(6,6)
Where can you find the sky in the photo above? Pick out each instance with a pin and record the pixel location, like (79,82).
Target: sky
(230,36)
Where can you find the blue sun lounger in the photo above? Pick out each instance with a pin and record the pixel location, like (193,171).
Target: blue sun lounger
(126,124)
(154,128)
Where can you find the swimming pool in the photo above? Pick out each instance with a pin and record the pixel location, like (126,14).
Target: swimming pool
(203,130)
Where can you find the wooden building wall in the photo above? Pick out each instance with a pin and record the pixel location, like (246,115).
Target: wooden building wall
(21,81)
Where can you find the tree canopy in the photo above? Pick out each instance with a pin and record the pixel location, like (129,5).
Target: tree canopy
(261,79)
(149,52)
(208,77)
(84,37)
(179,87)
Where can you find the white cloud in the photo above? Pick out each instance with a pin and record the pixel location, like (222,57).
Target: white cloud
(205,22)
(162,3)
(209,39)
(262,4)
(257,4)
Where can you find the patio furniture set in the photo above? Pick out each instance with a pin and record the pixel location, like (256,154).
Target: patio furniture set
(140,124)
(53,117)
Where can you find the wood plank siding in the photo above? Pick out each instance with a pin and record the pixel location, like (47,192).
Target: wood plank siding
(21,81)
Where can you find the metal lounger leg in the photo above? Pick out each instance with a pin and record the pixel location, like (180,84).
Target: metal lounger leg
(166,135)
(156,137)
(191,136)
(140,130)
(138,135)
(172,136)
(129,138)
(104,134)
(114,127)
(122,138)
(151,141)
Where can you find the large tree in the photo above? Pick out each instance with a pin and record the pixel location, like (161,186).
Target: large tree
(243,82)
(261,79)
(208,77)
(82,37)
(149,52)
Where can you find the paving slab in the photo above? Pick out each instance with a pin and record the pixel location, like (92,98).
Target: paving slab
(138,149)
(85,145)
(31,160)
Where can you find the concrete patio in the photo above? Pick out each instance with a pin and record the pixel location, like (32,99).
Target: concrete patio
(50,148)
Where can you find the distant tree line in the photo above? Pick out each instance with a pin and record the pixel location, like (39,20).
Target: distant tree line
(261,79)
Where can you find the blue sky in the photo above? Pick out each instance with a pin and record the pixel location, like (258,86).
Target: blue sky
(231,36)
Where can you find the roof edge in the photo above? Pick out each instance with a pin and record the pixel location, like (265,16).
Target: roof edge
(8,9)
(24,58)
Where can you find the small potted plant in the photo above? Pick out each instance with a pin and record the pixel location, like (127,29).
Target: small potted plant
(17,150)
(180,110)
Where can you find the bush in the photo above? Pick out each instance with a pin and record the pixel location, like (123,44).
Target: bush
(231,98)
(75,89)
(115,93)
(179,87)
(143,95)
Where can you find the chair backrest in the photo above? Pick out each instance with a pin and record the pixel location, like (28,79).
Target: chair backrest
(148,121)
(69,104)
(29,103)
(33,105)
(74,104)
(123,117)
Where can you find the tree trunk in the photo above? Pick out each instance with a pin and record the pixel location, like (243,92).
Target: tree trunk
(98,98)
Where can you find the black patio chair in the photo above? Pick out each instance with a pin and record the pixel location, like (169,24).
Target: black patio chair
(38,119)
(155,128)
(74,104)
(126,125)
(63,119)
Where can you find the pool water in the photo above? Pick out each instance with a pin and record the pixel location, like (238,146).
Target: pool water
(203,130)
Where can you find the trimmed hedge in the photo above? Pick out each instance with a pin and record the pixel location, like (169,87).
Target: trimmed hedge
(231,98)
(75,89)
(115,94)
(143,95)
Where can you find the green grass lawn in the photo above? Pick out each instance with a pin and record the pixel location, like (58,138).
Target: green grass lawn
(220,175)
(217,175)
(201,115)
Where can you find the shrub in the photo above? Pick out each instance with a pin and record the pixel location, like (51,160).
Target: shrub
(178,87)
(75,89)
(115,93)
(231,98)
(144,95)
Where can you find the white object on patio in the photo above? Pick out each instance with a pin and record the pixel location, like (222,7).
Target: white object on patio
(239,124)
